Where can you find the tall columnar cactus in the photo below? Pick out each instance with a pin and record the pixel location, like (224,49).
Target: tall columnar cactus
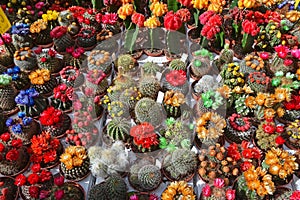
(114,188)
(147,110)
(150,68)
(149,87)
(126,63)
(180,164)
(177,64)
(118,129)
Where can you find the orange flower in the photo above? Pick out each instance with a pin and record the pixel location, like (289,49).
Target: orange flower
(73,156)
(200,4)
(39,77)
(280,112)
(250,102)
(38,26)
(125,11)
(174,98)
(260,98)
(282,94)
(158,8)
(269,113)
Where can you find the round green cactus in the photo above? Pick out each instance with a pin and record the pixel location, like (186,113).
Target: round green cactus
(118,129)
(147,110)
(149,87)
(150,68)
(130,96)
(126,62)
(118,109)
(177,64)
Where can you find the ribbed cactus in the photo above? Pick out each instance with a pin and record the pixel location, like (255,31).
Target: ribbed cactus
(149,87)
(126,62)
(177,64)
(118,129)
(7,94)
(62,43)
(114,188)
(150,68)
(180,164)
(118,109)
(277,65)
(147,110)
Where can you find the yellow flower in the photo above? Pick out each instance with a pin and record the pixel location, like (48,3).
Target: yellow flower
(152,22)
(200,4)
(125,11)
(50,15)
(38,25)
(216,5)
(247,4)
(39,76)
(178,188)
(282,94)
(73,156)
(158,8)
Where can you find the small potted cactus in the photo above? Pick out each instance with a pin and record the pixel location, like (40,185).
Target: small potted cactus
(43,82)
(96,79)
(108,161)
(231,75)
(209,129)
(118,129)
(86,38)
(150,68)
(149,86)
(217,191)
(126,64)
(177,64)
(25,59)
(100,60)
(258,81)
(180,164)
(172,103)
(61,38)
(175,80)
(48,60)
(205,83)
(62,98)
(20,79)
(180,190)
(114,188)
(145,139)
(7,95)
(75,57)
(148,110)
(20,35)
(72,77)
(144,176)
(41,31)
(75,163)
(226,56)
(118,109)
(30,102)
(200,66)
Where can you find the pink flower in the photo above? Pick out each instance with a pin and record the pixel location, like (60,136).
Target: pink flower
(206,191)
(219,183)
(110,18)
(59,181)
(39,5)
(282,51)
(250,27)
(7,39)
(134,197)
(264,55)
(70,49)
(296,53)
(230,194)
(176,77)
(44,194)
(287,62)
(59,194)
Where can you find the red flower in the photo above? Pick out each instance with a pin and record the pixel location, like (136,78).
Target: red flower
(51,52)
(184,14)
(138,19)
(250,27)
(212,24)
(279,129)
(35,168)
(70,49)
(206,191)
(2,147)
(204,18)
(38,50)
(34,191)
(246,165)
(50,156)
(247,153)
(268,128)
(110,18)
(98,17)
(43,59)
(230,194)
(233,152)
(5,137)
(20,180)
(33,178)
(295,195)
(12,155)
(186,3)
(282,51)
(172,21)
(264,55)
(256,153)
(59,194)
(287,62)
(45,176)
(17,143)
(279,140)
(58,31)
(176,77)
(59,181)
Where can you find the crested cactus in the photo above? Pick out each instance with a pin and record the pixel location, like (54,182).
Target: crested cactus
(177,64)
(118,109)
(147,110)
(150,68)
(118,129)
(145,177)
(114,188)
(180,164)
(149,87)
(126,63)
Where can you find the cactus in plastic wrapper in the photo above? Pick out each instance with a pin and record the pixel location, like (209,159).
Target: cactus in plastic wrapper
(149,87)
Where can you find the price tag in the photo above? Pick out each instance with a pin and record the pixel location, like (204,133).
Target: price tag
(160,97)
(219,78)
(158,75)
(4,22)
(184,57)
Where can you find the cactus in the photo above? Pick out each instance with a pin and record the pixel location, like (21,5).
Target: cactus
(86,38)
(291,115)
(264,140)
(243,192)
(28,63)
(150,68)
(226,56)
(175,80)
(114,188)
(149,87)
(131,96)
(207,82)
(126,62)
(118,129)
(147,110)
(285,195)
(118,109)
(7,94)
(258,81)
(178,64)
(61,42)
(241,107)
(180,164)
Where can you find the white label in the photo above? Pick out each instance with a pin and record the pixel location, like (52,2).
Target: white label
(219,78)
(158,75)
(160,97)
(158,163)
(184,57)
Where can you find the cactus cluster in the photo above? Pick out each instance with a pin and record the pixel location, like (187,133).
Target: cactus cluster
(177,64)
(147,110)
(114,188)
(258,81)
(180,164)
(118,129)
(145,177)
(150,68)
(149,87)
